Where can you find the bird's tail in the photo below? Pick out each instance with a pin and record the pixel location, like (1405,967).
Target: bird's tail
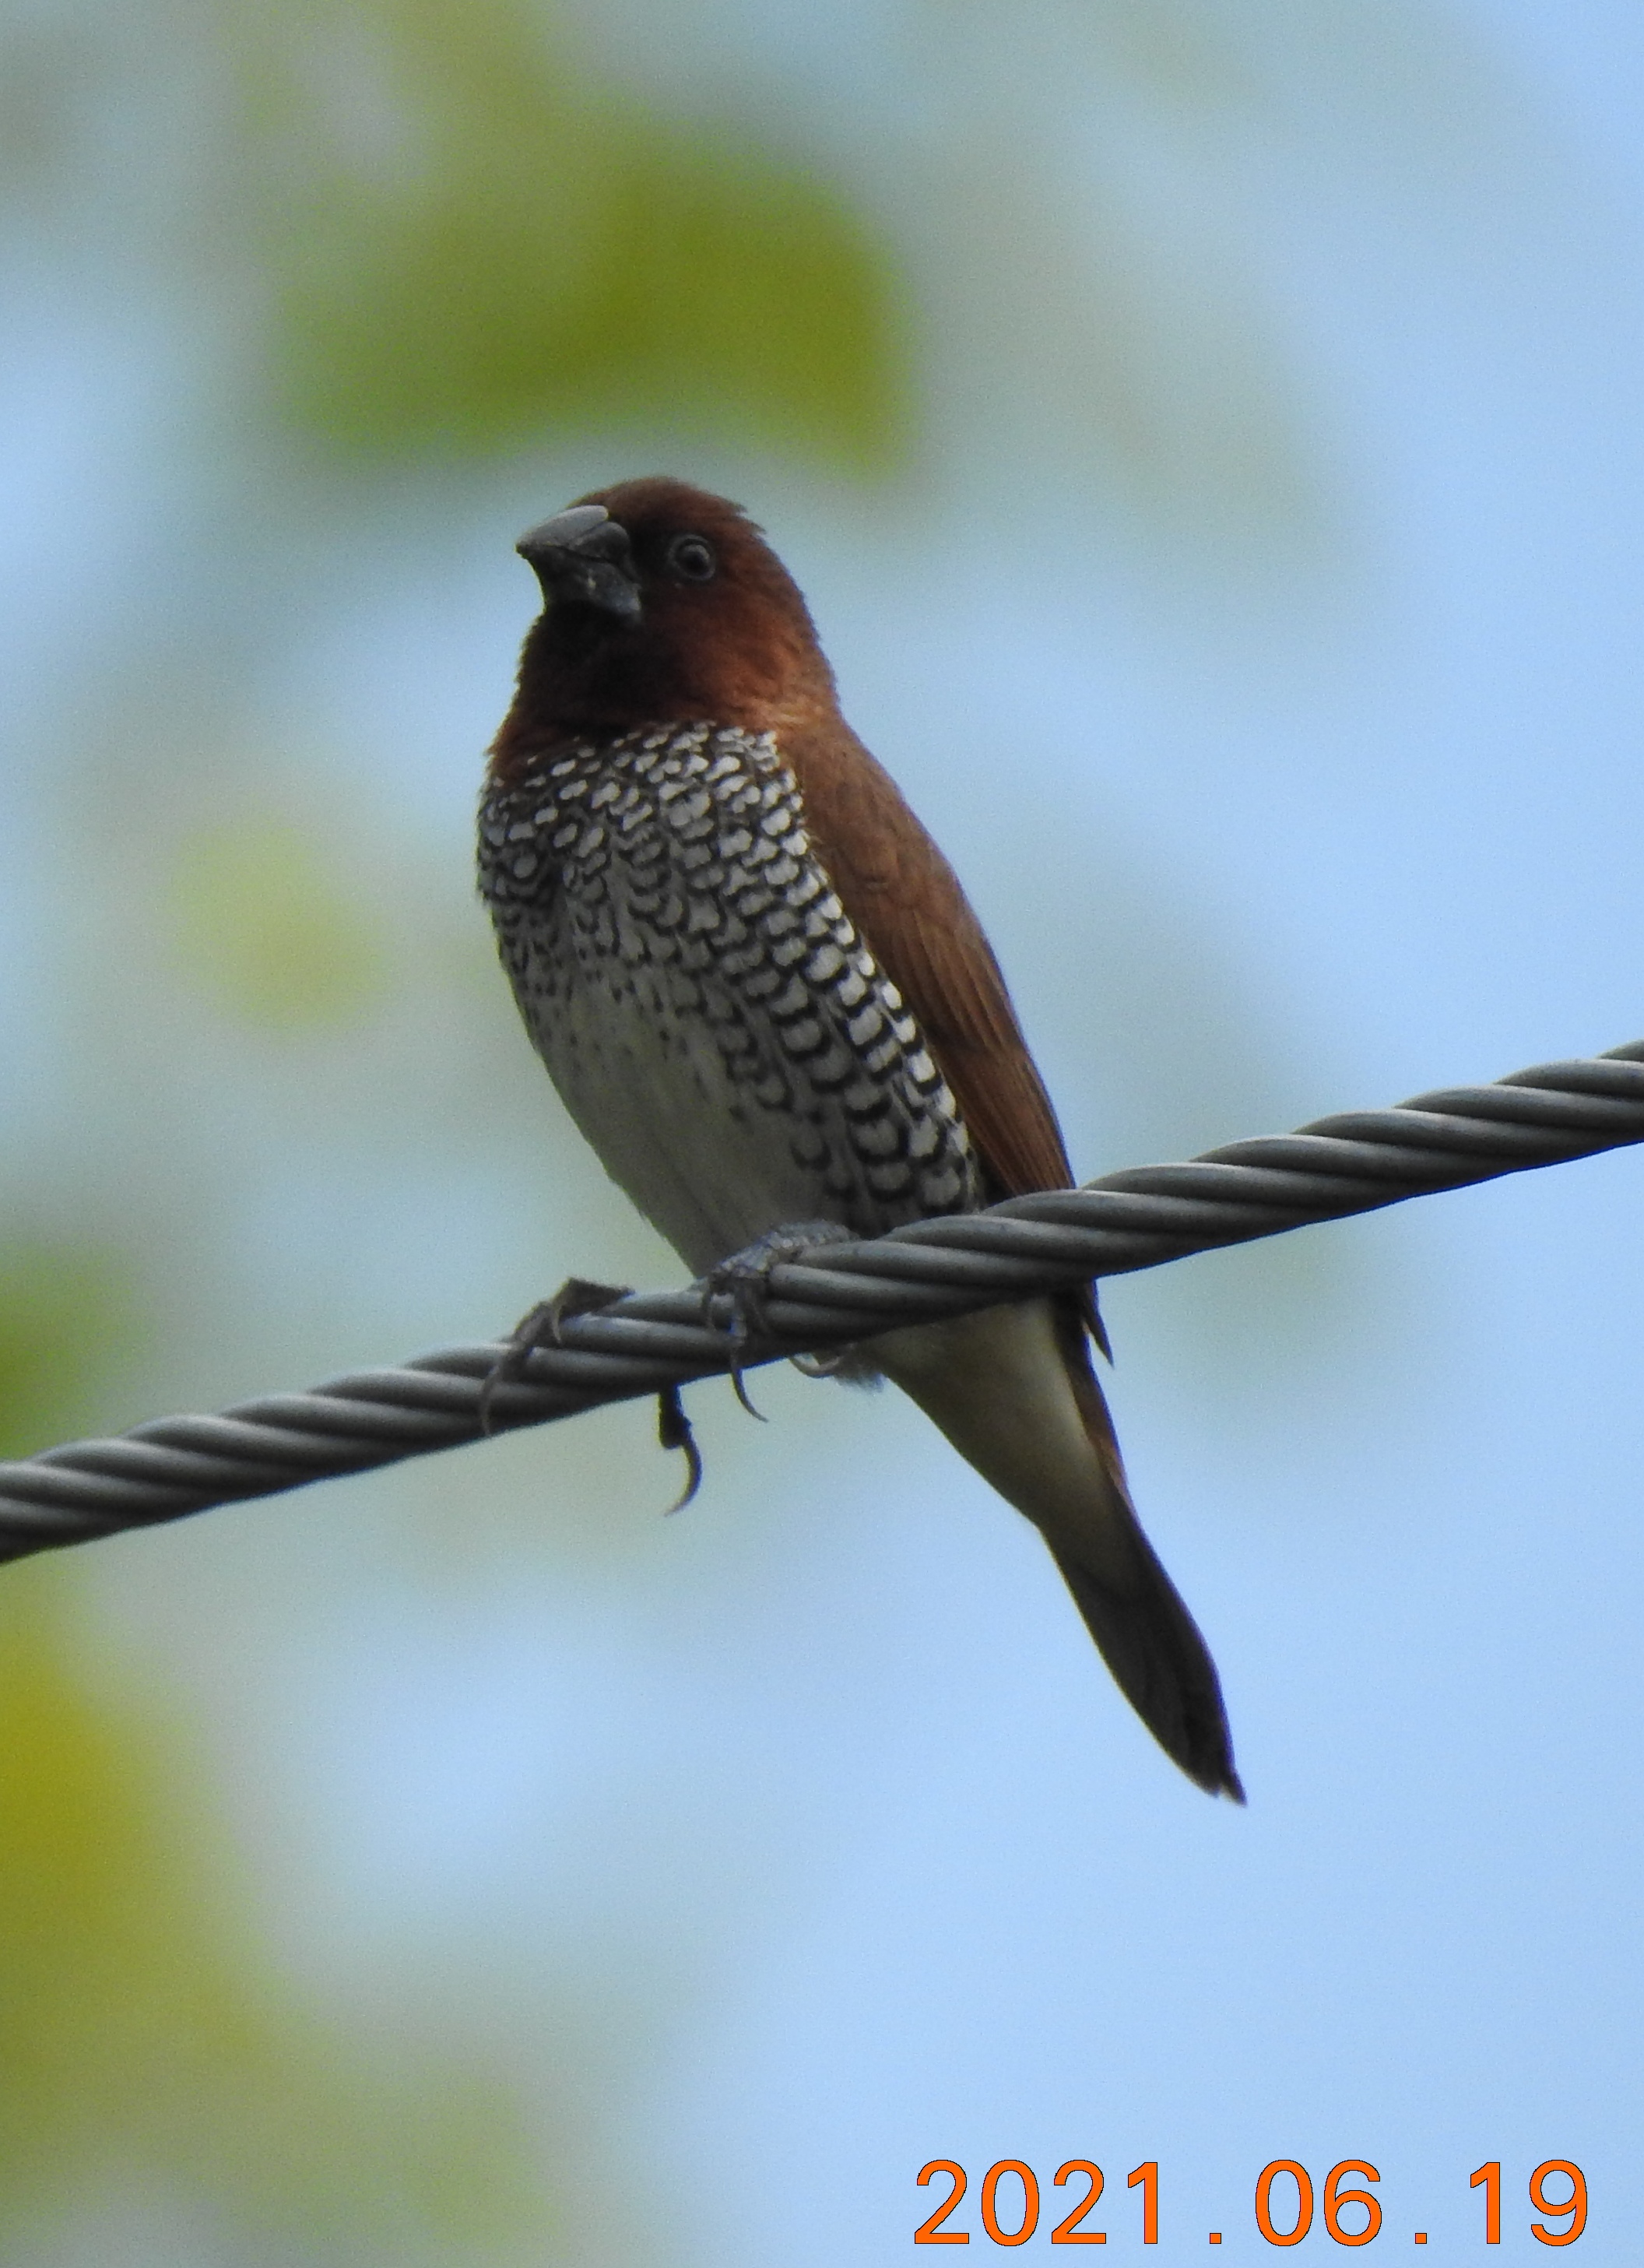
(1013,1389)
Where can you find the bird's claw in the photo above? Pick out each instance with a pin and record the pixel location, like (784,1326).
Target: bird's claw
(673,1431)
(541,1329)
(745,1280)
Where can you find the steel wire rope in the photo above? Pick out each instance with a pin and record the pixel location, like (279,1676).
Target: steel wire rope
(1142,1217)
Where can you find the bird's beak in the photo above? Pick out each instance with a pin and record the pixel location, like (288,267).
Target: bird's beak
(584,556)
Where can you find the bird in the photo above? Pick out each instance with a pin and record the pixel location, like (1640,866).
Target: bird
(765,1000)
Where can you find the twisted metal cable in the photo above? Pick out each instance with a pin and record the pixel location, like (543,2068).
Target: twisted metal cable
(650,1340)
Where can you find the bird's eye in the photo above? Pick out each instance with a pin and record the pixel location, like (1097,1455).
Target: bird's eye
(692,559)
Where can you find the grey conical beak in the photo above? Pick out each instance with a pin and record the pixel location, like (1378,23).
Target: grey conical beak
(584,557)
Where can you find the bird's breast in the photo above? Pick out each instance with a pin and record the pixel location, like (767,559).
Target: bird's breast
(713,1019)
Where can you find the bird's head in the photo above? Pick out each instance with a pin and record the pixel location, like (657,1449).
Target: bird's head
(662,604)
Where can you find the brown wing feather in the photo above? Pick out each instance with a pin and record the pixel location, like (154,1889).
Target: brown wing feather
(906,899)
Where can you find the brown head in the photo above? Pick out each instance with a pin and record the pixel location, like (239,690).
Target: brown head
(662,604)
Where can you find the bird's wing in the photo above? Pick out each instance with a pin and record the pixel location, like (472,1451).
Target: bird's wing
(906,899)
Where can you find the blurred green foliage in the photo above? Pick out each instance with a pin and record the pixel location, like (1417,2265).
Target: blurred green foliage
(147,2051)
(69,1311)
(451,235)
(139,2027)
(470,240)
(262,921)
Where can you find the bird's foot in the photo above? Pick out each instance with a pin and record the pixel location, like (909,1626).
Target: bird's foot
(745,1280)
(541,1329)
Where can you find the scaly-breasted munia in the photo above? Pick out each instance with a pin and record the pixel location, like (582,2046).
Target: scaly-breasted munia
(764,999)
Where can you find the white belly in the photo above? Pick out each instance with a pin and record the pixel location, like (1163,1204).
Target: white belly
(650,1090)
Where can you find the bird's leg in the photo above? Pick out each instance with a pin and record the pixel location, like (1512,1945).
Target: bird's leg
(745,1280)
(541,1329)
